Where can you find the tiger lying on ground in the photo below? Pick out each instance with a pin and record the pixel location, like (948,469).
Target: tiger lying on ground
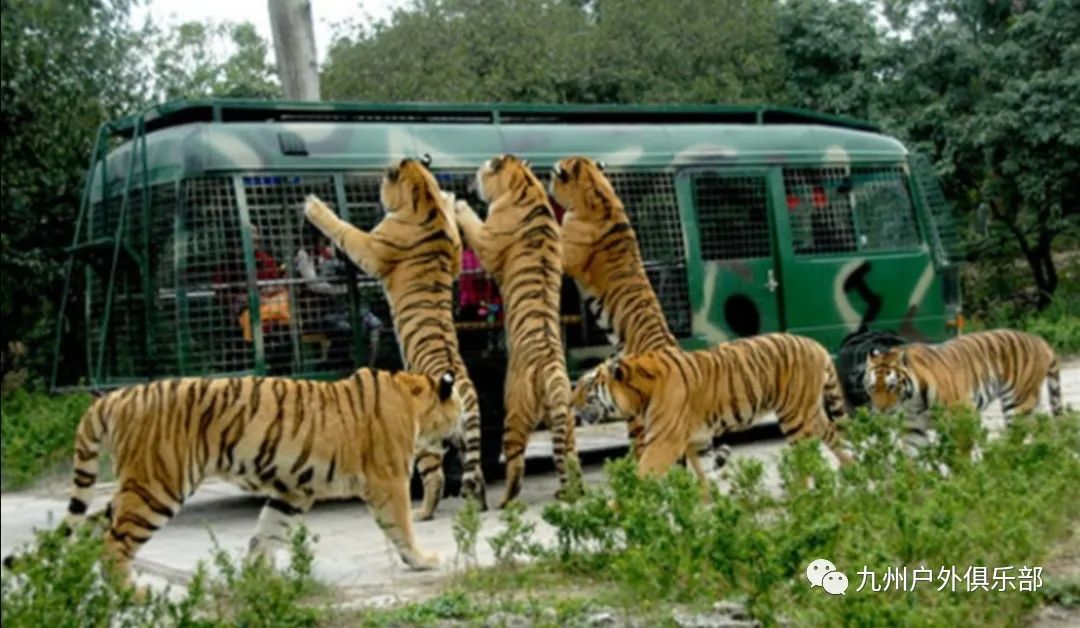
(519,245)
(973,369)
(601,254)
(416,252)
(289,439)
(685,398)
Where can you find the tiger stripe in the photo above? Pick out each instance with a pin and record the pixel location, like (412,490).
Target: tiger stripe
(975,369)
(601,254)
(686,398)
(416,252)
(264,434)
(519,244)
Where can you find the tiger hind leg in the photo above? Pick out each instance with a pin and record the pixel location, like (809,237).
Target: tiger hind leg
(429,464)
(561,422)
(472,479)
(519,426)
(388,500)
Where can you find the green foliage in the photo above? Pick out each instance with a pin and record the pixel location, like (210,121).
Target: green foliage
(833,52)
(466,529)
(63,582)
(559,51)
(187,64)
(1058,323)
(39,433)
(887,511)
(513,542)
(66,68)
(254,594)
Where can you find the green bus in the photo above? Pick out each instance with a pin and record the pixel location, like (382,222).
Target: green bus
(191,255)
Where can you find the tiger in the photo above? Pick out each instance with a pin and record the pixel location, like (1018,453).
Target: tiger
(974,369)
(416,252)
(291,440)
(519,246)
(688,397)
(602,256)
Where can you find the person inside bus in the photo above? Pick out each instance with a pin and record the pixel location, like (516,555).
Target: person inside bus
(324,273)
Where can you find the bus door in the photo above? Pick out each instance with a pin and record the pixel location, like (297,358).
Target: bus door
(733,270)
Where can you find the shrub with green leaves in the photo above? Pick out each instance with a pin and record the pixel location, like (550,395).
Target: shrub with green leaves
(944,507)
(63,582)
(39,433)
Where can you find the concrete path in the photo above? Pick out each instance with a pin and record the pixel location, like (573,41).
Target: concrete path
(351,552)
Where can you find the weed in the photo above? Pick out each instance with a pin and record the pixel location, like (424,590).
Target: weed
(39,433)
(466,528)
(63,582)
(513,541)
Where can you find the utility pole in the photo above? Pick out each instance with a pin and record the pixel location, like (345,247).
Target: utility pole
(294,47)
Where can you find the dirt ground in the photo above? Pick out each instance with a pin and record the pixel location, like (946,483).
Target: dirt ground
(352,554)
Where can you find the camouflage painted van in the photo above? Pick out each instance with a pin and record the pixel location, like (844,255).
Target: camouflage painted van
(194,258)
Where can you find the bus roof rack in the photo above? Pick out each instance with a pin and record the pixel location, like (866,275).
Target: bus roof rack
(178,112)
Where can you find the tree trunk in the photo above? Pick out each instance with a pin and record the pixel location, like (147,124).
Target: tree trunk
(294,48)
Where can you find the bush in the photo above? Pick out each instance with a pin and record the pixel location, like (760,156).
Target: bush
(939,509)
(39,433)
(63,583)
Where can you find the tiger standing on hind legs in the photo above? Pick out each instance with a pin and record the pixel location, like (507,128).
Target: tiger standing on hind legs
(416,252)
(292,440)
(519,245)
(601,254)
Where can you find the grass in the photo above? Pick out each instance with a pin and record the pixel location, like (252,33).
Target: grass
(965,501)
(39,433)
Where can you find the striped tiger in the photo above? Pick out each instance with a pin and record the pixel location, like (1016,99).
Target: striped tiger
(519,245)
(416,252)
(974,369)
(291,440)
(685,398)
(601,254)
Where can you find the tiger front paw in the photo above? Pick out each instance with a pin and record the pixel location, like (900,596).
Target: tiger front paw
(314,207)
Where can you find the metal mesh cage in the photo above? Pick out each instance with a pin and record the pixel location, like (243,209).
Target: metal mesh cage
(943,232)
(301,281)
(733,217)
(213,279)
(649,199)
(838,210)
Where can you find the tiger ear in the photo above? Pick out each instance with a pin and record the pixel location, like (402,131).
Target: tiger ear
(497,162)
(446,386)
(425,160)
(601,166)
(392,174)
(561,172)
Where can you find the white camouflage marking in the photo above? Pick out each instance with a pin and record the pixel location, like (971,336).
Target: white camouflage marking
(848,314)
(701,323)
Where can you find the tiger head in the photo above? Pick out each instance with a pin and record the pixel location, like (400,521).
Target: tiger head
(437,403)
(410,192)
(617,389)
(506,174)
(579,185)
(888,379)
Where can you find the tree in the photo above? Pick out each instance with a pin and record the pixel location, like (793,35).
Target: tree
(991,90)
(188,62)
(629,51)
(834,55)
(66,67)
